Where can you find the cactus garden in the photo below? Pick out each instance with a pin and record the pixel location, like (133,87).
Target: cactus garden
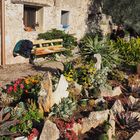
(94,97)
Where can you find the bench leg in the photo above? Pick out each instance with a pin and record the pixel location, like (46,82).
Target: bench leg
(31,59)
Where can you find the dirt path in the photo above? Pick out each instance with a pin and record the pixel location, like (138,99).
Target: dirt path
(15,71)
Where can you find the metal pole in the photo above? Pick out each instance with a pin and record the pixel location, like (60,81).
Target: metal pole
(3,61)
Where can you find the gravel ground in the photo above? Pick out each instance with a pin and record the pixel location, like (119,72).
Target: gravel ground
(12,72)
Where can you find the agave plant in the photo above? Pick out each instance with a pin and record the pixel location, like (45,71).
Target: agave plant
(110,56)
(129,106)
(65,109)
(126,121)
(136,106)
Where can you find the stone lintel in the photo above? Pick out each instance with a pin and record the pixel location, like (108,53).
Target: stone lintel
(31,2)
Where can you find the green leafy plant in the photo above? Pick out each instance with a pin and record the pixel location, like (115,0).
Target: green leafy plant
(126,121)
(103,137)
(65,109)
(129,50)
(110,56)
(27,118)
(117,75)
(69,41)
(101,106)
(83,75)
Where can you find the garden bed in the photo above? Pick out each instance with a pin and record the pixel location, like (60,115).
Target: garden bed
(87,100)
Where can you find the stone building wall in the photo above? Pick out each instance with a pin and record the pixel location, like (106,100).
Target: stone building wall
(49,17)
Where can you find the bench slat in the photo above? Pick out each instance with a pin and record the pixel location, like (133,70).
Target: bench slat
(48,50)
(35,42)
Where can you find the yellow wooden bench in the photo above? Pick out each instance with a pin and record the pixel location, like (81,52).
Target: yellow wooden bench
(44,47)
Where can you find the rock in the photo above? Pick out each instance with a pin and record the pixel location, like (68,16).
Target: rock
(45,98)
(105,92)
(117,107)
(94,119)
(75,88)
(99,100)
(99,61)
(111,131)
(111,93)
(50,131)
(136,136)
(117,91)
(21,138)
(61,91)
(77,128)
(133,100)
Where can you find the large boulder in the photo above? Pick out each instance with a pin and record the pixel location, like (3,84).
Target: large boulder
(50,131)
(94,119)
(48,98)
(111,93)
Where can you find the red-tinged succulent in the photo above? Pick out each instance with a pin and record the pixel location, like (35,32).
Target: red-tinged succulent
(33,134)
(65,128)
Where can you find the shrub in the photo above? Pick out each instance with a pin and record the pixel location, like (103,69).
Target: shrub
(69,40)
(83,75)
(130,50)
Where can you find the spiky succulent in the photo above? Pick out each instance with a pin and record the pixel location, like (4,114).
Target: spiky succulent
(127,121)
(6,122)
(65,109)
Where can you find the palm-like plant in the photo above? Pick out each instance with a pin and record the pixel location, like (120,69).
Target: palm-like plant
(110,56)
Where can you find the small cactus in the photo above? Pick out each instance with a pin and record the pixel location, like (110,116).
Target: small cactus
(65,109)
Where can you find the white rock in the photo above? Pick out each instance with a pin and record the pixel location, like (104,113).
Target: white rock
(50,131)
(61,91)
(21,138)
(99,61)
(132,99)
(117,91)
(117,107)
